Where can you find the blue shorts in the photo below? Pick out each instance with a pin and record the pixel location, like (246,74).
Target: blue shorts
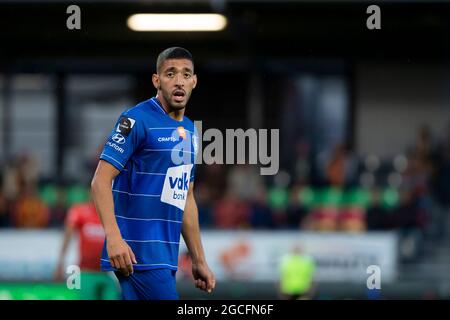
(155,284)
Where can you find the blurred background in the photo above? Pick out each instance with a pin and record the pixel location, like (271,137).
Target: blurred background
(364,119)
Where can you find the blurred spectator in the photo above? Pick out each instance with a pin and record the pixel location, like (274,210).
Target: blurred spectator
(19,174)
(335,169)
(29,211)
(417,175)
(352,217)
(55,198)
(302,166)
(230,212)
(415,207)
(278,198)
(204,204)
(213,178)
(82,219)
(410,215)
(28,171)
(424,144)
(325,213)
(441,173)
(411,192)
(376,213)
(245,181)
(339,167)
(4,215)
(58,209)
(11,185)
(296,209)
(261,215)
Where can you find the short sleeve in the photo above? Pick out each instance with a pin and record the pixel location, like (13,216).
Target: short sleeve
(123,141)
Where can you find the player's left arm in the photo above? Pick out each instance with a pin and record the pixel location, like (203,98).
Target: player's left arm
(203,276)
(69,231)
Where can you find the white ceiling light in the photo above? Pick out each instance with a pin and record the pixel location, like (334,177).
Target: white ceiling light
(177,22)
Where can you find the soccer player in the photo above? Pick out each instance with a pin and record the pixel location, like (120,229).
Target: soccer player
(84,220)
(143,188)
(297,272)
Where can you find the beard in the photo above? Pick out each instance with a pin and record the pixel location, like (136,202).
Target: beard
(175,105)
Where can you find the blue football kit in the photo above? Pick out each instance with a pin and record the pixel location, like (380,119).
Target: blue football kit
(155,155)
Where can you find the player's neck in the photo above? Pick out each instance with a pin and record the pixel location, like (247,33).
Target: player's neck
(176,114)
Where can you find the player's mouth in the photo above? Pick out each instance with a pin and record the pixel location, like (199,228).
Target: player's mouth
(179,95)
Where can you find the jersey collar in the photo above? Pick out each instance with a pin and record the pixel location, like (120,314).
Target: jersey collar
(158,105)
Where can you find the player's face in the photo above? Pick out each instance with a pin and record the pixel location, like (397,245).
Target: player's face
(175,82)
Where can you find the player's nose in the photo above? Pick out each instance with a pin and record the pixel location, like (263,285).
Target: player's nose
(179,80)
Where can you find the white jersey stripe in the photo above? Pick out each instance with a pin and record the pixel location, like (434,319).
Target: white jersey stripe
(137,194)
(105,155)
(148,265)
(169,150)
(175,221)
(171,128)
(157,241)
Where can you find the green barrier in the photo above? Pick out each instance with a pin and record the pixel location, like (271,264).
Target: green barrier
(306,197)
(93,286)
(278,198)
(357,197)
(328,197)
(41,291)
(390,198)
(98,286)
(77,194)
(48,194)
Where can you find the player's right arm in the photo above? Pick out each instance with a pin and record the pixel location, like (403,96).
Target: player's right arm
(68,232)
(119,252)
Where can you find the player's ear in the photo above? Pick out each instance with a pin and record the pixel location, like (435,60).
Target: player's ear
(194,78)
(155,80)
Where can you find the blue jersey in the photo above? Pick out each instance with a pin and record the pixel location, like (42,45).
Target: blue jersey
(155,155)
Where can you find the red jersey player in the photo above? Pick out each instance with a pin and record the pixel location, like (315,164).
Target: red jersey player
(83,218)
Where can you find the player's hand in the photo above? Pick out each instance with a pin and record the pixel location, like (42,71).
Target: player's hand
(120,255)
(203,277)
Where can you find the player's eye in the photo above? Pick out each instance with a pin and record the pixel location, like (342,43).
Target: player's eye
(170,74)
(187,75)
